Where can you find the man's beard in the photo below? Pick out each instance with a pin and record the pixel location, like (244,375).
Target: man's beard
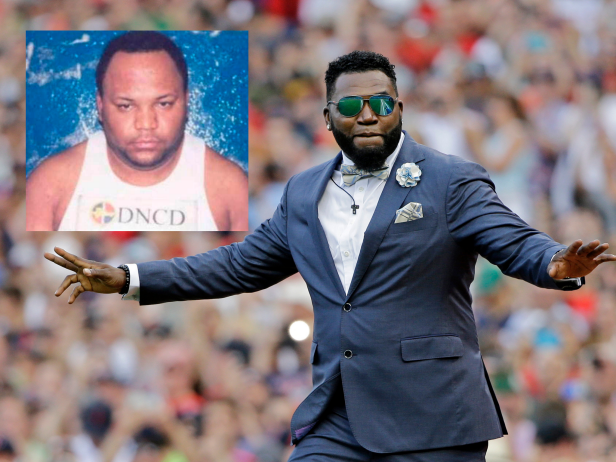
(373,157)
(163,159)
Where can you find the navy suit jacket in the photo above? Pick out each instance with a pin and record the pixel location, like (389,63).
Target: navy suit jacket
(416,379)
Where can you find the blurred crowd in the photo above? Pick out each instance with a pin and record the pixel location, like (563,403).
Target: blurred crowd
(527,88)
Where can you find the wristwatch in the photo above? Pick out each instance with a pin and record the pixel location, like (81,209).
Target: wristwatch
(124,289)
(568,283)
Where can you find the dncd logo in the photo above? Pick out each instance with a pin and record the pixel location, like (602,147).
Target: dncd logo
(103,213)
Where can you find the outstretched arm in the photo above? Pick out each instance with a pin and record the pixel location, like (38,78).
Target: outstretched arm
(478,219)
(262,260)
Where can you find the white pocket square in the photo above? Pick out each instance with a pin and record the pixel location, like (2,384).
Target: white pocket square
(411,211)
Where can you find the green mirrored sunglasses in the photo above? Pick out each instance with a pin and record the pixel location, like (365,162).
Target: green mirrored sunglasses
(350,106)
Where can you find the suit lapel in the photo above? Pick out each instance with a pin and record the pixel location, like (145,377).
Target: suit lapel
(316,230)
(392,196)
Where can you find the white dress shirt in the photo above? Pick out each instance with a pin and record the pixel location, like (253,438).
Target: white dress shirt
(343,229)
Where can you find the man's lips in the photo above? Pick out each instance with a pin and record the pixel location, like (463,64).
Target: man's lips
(147,143)
(368,138)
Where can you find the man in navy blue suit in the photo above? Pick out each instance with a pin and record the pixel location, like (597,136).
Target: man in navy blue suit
(386,236)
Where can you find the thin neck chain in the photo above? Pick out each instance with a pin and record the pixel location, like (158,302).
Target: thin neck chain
(353,207)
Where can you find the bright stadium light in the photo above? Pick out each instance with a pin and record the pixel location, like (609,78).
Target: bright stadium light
(299,330)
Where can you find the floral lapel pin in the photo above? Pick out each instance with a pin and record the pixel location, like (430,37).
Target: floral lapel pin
(408,175)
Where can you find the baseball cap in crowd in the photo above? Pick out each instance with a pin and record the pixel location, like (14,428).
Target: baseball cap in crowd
(6,447)
(151,438)
(96,419)
(240,349)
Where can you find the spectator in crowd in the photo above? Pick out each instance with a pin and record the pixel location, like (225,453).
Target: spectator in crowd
(446,124)
(7,452)
(507,153)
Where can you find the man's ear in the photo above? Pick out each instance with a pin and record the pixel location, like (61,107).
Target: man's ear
(326,116)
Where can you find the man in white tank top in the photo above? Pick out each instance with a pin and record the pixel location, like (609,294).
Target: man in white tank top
(143,172)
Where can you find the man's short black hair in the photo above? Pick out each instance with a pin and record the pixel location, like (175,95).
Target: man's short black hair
(141,42)
(358,61)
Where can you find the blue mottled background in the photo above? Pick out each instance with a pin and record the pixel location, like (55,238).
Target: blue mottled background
(61,86)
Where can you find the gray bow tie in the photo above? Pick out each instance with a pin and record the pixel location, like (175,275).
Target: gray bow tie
(351,174)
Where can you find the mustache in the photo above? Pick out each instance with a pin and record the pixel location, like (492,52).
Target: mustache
(370,157)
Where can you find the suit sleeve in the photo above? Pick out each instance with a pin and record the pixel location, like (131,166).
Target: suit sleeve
(261,260)
(478,220)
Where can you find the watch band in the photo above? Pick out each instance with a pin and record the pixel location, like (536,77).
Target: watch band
(570,283)
(124,289)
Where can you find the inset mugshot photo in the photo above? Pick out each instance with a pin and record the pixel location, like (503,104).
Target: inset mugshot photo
(137,131)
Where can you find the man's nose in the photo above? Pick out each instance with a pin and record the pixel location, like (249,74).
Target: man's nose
(146,119)
(367,115)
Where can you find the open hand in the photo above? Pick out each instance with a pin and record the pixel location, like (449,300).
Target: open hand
(89,275)
(578,260)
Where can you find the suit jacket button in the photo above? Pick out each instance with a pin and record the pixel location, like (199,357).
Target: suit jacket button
(348,354)
(347,307)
